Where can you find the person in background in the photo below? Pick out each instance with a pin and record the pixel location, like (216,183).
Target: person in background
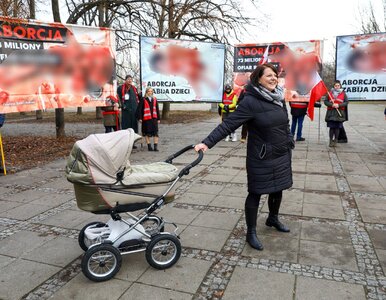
(336,114)
(2,120)
(298,112)
(110,114)
(244,128)
(148,115)
(128,101)
(269,146)
(227,107)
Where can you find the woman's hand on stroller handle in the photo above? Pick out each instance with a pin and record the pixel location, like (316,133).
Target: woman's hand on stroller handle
(201,146)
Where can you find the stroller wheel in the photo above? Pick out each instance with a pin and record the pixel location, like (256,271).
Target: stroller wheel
(163,251)
(101,262)
(83,241)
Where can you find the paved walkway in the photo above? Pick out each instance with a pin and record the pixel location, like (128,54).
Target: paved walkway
(336,210)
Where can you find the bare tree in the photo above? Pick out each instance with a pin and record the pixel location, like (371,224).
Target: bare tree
(369,21)
(201,20)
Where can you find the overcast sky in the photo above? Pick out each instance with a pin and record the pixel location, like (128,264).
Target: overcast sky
(295,20)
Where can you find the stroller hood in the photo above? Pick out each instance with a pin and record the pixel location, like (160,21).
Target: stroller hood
(99,158)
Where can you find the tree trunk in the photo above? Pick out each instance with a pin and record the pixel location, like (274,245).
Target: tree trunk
(79,110)
(59,112)
(59,121)
(165,110)
(39,114)
(98,113)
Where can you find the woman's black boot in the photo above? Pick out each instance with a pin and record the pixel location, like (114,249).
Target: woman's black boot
(250,218)
(149,147)
(156,147)
(273,221)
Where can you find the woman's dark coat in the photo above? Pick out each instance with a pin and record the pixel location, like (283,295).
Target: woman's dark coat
(269,142)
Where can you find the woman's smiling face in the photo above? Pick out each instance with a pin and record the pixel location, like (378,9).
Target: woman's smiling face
(269,79)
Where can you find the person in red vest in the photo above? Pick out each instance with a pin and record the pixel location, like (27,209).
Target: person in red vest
(336,111)
(298,111)
(110,114)
(150,118)
(228,106)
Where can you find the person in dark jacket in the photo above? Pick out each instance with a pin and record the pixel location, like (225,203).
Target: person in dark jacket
(244,128)
(298,112)
(268,148)
(148,115)
(336,115)
(128,101)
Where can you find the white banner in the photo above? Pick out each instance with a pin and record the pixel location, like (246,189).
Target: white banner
(180,70)
(361,65)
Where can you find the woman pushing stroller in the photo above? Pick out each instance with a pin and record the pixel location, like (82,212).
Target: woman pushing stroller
(268,149)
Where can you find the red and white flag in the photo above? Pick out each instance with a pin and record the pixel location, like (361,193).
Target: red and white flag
(319,89)
(264,59)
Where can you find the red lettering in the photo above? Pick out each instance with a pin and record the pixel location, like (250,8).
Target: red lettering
(40,34)
(31,33)
(19,32)
(241,52)
(7,31)
(58,35)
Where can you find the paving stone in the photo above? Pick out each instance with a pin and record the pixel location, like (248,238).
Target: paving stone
(228,201)
(224,171)
(59,251)
(204,238)
(318,167)
(373,215)
(377,169)
(29,273)
(353,157)
(218,178)
(25,211)
(216,220)
(22,242)
(275,247)
(324,199)
(68,219)
(381,253)
(178,215)
(263,229)
(257,284)
(7,205)
(240,178)
(364,184)
(378,237)
(81,288)
(298,184)
(133,266)
(234,162)
(53,200)
(195,198)
(323,211)
(185,276)
(235,191)
(287,208)
(356,169)
(327,254)
(5,260)
(321,186)
(318,289)
(205,188)
(28,196)
(143,291)
(325,233)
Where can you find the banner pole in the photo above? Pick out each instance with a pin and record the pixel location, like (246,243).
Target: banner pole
(319,127)
(2,155)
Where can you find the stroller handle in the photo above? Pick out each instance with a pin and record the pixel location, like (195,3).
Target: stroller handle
(185,171)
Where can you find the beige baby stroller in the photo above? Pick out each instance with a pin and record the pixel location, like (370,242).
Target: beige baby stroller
(106,183)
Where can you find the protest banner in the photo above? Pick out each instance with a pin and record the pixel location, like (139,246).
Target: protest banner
(53,65)
(361,65)
(297,63)
(181,70)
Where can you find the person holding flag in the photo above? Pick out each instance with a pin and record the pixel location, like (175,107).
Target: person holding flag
(298,111)
(227,107)
(336,114)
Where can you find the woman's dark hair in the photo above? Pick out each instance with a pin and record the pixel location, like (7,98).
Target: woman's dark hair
(337,81)
(259,71)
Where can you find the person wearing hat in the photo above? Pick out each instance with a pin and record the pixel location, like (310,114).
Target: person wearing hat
(128,101)
(228,106)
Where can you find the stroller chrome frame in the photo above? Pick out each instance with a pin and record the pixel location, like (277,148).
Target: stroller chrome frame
(104,244)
